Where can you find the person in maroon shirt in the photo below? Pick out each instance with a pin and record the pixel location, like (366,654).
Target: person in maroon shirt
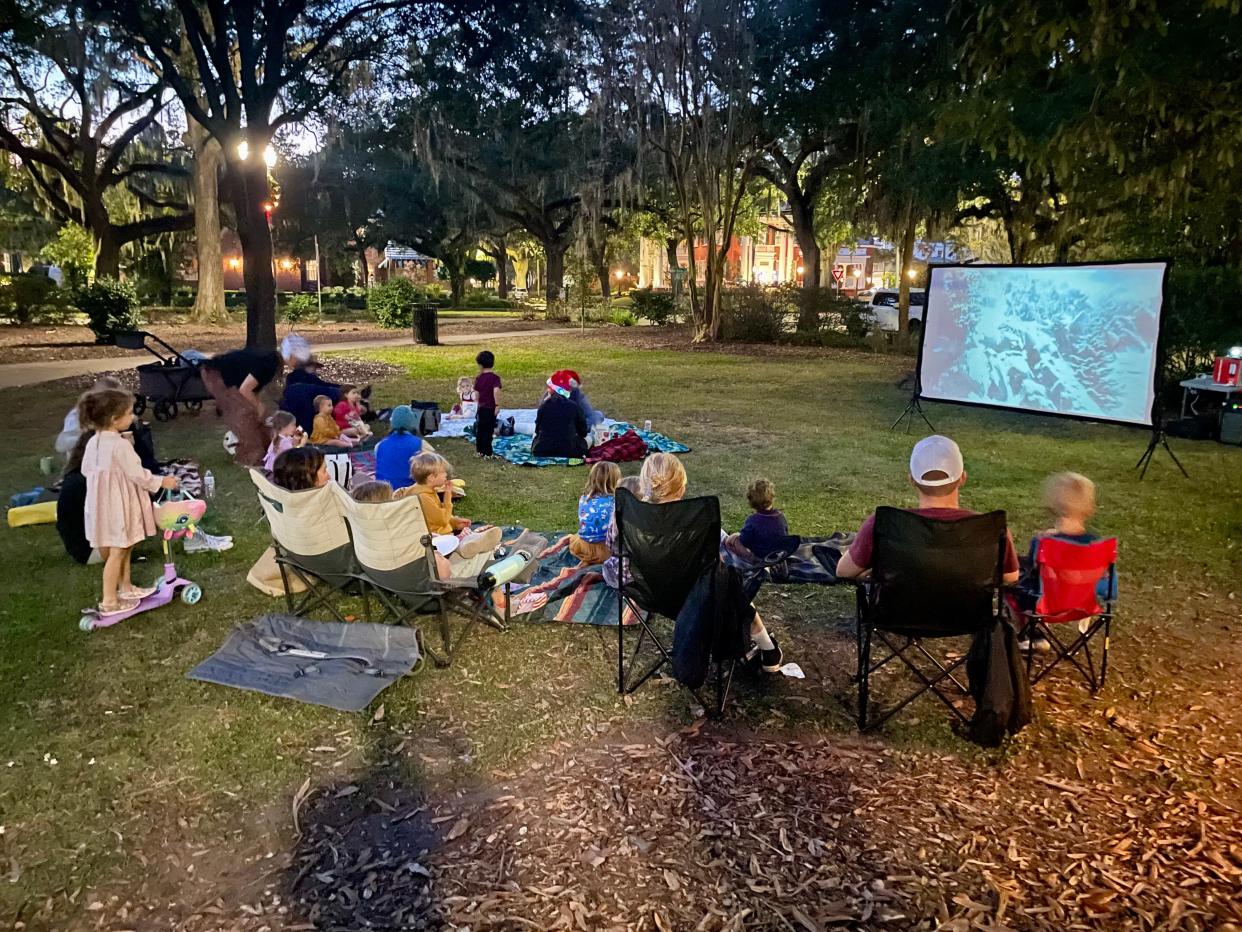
(487,394)
(938,473)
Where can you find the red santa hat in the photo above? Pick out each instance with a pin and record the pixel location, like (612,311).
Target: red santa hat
(563,381)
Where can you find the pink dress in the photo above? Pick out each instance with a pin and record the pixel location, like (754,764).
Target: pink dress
(118,506)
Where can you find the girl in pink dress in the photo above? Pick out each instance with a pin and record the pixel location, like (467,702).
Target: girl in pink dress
(118,495)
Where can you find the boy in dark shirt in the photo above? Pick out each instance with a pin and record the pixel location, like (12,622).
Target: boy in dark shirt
(766,531)
(487,393)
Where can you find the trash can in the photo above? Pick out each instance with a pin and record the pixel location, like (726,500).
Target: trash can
(426,325)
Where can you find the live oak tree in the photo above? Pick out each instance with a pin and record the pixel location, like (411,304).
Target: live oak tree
(83,118)
(254,67)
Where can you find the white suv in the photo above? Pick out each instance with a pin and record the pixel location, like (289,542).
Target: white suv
(882,309)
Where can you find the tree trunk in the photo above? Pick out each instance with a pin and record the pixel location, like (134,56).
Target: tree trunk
(209,301)
(457,282)
(364,271)
(499,253)
(803,218)
(903,286)
(555,282)
(107,253)
(250,192)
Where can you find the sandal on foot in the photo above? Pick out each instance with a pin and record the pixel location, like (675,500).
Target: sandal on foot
(122,606)
(136,592)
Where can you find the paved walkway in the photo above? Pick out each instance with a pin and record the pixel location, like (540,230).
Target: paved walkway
(16,374)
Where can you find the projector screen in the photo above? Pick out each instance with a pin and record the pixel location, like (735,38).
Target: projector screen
(1074,340)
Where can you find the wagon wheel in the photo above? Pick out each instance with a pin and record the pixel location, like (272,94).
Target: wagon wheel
(140,404)
(165,410)
(193,406)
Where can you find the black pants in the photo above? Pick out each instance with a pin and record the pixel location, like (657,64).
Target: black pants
(484,427)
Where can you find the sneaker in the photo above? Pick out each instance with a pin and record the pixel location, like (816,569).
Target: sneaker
(770,660)
(202,542)
(1039,644)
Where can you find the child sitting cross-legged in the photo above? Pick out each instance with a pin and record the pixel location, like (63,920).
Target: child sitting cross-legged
(1070,498)
(430,472)
(595,508)
(348,412)
(766,531)
(326,432)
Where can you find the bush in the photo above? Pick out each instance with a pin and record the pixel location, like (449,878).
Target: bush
(301,307)
(73,252)
(752,314)
(234,299)
(31,297)
(392,303)
(655,306)
(183,297)
(482,298)
(624,318)
(351,298)
(110,306)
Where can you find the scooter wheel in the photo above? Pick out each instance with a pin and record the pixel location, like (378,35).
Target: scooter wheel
(86,623)
(191,594)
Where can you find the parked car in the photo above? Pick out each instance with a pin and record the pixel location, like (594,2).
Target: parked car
(882,309)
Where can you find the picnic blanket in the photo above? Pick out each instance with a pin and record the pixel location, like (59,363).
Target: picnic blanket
(363,462)
(516,449)
(628,448)
(523,423)
(347,667)
(814,562)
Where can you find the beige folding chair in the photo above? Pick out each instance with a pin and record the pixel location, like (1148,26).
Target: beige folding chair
(394,553)
(312,544)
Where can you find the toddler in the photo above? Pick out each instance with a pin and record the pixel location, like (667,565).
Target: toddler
(373,491)
(466,406)
(595,511)
(326,432)
(286,436)
(118,510)
(349,412)
(766,531)
(487,398)
(430,472)
(1070,498)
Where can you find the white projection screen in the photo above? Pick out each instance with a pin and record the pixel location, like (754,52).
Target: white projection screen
(1071,340)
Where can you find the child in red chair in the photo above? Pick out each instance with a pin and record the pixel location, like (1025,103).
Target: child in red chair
(1070,498)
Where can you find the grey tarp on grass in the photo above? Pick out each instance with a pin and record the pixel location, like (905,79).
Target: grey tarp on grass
(364,660)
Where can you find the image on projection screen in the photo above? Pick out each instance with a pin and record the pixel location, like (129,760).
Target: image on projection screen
(1076,340)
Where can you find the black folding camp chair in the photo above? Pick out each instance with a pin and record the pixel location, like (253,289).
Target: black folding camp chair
(930,579)
(664,551)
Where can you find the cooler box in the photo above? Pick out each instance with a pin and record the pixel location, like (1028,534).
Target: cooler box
(1227,371)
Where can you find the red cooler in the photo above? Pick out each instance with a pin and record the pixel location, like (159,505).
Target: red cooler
(1227,371)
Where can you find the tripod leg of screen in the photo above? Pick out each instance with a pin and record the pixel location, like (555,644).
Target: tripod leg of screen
(911,408)
(1158,439)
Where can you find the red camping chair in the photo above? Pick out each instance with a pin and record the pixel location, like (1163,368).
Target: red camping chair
(1069,592)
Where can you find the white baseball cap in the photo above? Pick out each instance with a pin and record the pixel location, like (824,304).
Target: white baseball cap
(296,348)
(936,454)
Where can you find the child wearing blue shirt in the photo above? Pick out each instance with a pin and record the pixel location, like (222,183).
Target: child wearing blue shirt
(595,508)
(766,531)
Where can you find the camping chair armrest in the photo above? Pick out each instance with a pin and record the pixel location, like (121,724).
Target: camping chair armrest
(431,558)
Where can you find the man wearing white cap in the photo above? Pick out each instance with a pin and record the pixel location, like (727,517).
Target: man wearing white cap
(938,472)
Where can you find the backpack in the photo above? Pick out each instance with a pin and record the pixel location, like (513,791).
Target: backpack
(428,417)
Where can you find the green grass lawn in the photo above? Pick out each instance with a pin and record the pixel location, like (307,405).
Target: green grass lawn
(105,746)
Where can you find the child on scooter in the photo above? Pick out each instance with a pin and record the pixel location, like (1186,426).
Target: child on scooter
(118,495)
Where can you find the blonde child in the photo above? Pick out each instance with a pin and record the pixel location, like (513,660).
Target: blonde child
(372,492)
(285,436)
(1069,498)
(430,472)
(595,510)
(326,432)
(466,406)
(118,510)
(348,413)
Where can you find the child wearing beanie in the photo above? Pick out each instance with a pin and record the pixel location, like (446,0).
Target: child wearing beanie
(394,452)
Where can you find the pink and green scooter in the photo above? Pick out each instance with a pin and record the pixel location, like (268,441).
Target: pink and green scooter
(177,516)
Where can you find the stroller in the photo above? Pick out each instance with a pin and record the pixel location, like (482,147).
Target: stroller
(172,381)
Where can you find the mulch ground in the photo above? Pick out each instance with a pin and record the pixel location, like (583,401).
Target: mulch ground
(1090,821)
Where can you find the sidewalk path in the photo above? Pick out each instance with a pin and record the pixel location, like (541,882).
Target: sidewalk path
(16,374)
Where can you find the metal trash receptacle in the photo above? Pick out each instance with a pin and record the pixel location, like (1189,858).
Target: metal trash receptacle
(426,325)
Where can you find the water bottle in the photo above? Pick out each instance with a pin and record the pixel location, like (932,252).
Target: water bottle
(647,425)
(209,485)
(503,571)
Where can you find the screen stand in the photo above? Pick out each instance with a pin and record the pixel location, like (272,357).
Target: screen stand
(914,407)
(1158,439)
